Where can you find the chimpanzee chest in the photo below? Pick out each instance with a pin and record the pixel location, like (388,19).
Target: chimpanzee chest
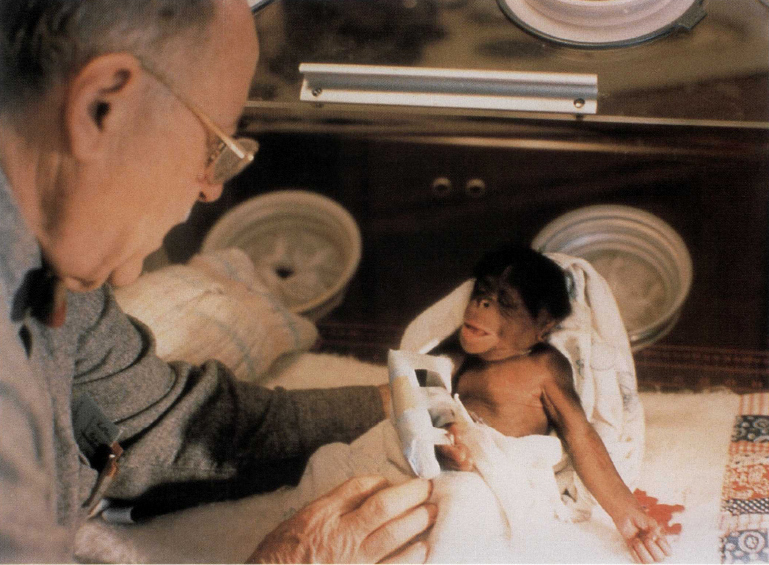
(506,396)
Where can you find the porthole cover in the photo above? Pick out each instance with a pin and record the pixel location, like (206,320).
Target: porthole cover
(602,23)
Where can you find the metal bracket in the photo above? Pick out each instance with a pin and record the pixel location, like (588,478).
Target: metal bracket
(570,93)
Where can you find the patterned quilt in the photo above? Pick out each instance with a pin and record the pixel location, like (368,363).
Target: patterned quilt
(744,524)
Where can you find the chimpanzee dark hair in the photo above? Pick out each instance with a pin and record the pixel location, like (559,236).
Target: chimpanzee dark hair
(539,280)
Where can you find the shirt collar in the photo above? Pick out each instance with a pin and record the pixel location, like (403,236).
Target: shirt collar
(21,266)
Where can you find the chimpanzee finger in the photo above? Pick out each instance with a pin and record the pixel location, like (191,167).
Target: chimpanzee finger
(455,457)
(641,553)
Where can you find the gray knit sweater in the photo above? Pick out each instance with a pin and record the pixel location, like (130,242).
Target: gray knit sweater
(189,433)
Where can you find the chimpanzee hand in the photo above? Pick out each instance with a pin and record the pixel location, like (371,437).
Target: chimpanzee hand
(455,456)
(643,535)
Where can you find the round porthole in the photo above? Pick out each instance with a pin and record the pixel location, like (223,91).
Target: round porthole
(643,259)
(602,23)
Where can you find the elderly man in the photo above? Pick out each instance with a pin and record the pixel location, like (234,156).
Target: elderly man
(114,119)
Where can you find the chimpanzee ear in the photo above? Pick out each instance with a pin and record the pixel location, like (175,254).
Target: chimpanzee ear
(545,323)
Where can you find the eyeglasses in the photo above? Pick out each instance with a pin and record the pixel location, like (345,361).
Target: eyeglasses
(230,155)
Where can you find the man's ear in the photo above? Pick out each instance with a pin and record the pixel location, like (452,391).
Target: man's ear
(99,100)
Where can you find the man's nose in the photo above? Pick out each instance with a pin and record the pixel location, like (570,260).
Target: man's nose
(210,192)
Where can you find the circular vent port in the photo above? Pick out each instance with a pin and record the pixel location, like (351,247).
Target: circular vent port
(602,23)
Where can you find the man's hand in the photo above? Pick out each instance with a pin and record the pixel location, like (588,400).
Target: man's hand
(644,536)
(364,520)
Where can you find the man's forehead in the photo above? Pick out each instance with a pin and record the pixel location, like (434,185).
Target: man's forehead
(225,69)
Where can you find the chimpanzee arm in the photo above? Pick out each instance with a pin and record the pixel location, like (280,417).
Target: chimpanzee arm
(596,469)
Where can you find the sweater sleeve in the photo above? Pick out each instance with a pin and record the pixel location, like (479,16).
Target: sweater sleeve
(29,530)
(192,434)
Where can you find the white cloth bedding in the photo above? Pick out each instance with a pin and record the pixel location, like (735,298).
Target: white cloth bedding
(594,340)
(688,436)
(483,516)
(479,521)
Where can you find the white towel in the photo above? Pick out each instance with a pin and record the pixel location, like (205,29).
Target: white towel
(503,512)
(595,341)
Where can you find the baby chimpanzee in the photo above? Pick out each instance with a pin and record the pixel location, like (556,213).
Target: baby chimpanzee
(510,378)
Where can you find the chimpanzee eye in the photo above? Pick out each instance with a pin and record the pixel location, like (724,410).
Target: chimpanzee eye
(509,304)
(507,300)
(483,298)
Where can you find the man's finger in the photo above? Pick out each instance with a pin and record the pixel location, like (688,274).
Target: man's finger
(389,503)
(398,532)
(415,553)
(350,494)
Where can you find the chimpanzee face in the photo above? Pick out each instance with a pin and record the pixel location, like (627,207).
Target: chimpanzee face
(497,324)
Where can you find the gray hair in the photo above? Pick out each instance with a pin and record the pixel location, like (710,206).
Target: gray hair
(43,42)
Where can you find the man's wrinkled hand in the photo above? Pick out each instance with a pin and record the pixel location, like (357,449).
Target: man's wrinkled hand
(364,520)
(644,537)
